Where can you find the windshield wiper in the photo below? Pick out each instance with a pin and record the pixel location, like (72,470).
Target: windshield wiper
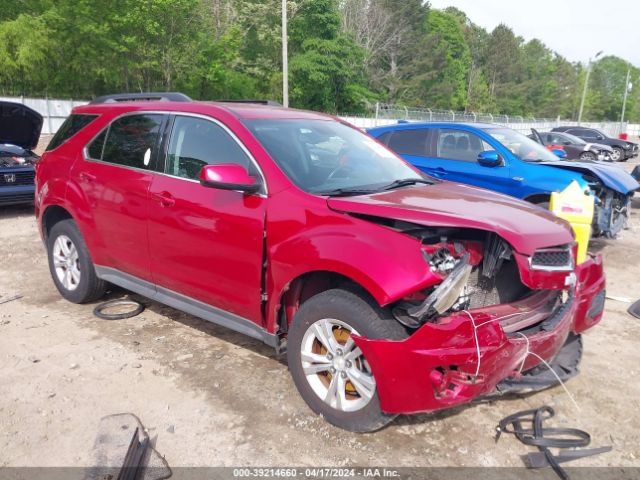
(407,181)
(346,192)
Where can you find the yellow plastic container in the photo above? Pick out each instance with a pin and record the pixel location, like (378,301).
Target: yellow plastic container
(577,208)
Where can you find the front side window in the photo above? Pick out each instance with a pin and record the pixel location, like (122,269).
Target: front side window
(132,140)
(460,145)
(196,142)
(72,125)
(326,157)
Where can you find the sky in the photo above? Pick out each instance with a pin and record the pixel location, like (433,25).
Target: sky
(576,29)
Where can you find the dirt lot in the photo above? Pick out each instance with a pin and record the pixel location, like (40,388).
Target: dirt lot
(212,397)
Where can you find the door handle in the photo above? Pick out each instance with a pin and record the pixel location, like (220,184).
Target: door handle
(87,177)
(165,199)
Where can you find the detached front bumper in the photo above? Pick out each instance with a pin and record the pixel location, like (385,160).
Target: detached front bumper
(436,367)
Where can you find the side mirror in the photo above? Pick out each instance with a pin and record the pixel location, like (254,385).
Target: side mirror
(559,153)
(228,177)
(490,158)
(566,143)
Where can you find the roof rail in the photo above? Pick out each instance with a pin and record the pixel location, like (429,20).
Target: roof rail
(271,103)
(142,97)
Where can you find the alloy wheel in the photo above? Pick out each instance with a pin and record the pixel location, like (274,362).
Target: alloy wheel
(616,154)
(66,262)
(335,367)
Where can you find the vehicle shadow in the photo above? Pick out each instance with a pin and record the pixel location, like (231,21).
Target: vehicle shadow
(16,211)
(209,328)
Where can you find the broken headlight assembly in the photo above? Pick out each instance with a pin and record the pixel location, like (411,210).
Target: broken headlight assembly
(475,274)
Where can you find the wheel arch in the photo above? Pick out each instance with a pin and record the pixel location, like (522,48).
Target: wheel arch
(301,288)
(537,198)
(52,215)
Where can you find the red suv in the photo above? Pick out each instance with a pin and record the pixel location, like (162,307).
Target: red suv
(391,292)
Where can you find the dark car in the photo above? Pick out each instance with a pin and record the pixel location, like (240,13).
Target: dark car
(388,293)
(622,150)
(574,147)
(20,128)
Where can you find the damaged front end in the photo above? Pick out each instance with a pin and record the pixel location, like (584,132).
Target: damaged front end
(478,326)
(612,209)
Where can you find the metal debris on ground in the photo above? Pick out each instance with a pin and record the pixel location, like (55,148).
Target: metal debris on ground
(10,299)
(124,451)
(545,438)
(619,299)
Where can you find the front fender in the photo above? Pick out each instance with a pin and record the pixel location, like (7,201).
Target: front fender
(541,179)
(388,264)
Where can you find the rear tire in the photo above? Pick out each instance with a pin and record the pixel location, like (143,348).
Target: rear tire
(70,264)
(333,379)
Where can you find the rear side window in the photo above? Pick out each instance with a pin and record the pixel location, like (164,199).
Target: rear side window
(95,148)
(131,141)
(409,142)
(72,125)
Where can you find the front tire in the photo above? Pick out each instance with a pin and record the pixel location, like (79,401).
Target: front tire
(617,155)
(587,156)
(70,264)
(328,369)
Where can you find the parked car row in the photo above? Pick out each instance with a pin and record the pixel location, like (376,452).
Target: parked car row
(574,147)
(622,150)
(391,290)
(500,159)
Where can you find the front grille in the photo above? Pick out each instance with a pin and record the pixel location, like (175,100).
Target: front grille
(552,259)
(21,178)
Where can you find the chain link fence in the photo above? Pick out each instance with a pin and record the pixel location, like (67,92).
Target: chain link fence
(387,114)
(55,111)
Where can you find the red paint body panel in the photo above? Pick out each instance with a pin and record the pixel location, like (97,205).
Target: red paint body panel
(435,348)
(451,204)
(208,244)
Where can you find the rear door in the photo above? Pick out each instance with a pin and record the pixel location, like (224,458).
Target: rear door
(115,177)
(206,243)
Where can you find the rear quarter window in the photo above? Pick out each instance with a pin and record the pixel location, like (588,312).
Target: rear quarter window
(72,125)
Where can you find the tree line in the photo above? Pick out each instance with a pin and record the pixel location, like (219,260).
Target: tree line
(344,55)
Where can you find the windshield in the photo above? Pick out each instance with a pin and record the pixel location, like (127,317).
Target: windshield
(521,146)
(326,157)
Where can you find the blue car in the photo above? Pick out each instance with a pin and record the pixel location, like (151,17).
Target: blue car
(500,159)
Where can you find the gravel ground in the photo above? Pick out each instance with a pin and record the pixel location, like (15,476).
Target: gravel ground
(210,397)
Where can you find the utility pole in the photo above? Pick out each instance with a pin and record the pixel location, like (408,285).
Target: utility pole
(285,57)
(627,87)
(586,86)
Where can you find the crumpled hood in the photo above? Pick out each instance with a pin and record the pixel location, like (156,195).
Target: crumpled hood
(611,175)
(19,125)
(447,204)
